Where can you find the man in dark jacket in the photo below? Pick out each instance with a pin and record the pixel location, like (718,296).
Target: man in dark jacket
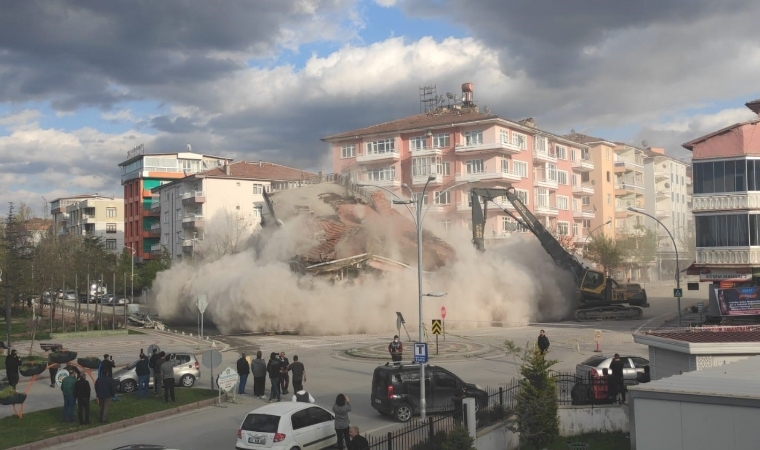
(284,378)
(12,363)
(543,341)
(273,367)
(616,367)
(69,397)
(157,377)
(299,374)
(105,392)
(142,370)
(106,367)
(82,393)
(259,369)
(396,349)
(358,442)
(243,369)
(152,364)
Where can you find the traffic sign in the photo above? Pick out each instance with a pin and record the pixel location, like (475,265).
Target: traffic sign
(677,292)
(598,335)
(227,379)
(420,352)
(211,358)
(202,303)
(61,374)
(443,312)
(436,328)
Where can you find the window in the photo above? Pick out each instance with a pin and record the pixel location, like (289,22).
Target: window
(519,140)
(426,165)
(522,194)
(575,229)
(563,202)
(573,155)
(446,169)
(110,228)
(520,168)
(319,415)
(586,200)
(258,189)
(729,230)
(539,144)
(551,172)
(609,177)
(726,176)
(166,216)
(561,177)
(348,151)
(381,146)
(609,221)
(609,199)
(261,423)
(561,151)
(473,137)
(441,140)
(586,223)
(417,143)
(542,197)
(300,419)
(416,196)
(563,228)
(445,381)
(508,225)
(607,154)
(110,212)
(505,165)
(178,237)
(474,166)
(257,211)
(110,244)
(444,198)
(504,134)
(576,180)
(382,174)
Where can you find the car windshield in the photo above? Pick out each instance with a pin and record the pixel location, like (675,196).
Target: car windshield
(261,423)
(594,361)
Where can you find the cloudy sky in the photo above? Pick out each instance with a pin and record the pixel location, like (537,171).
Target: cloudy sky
(84,81)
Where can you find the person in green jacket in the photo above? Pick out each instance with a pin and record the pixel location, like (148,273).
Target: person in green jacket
(69,400)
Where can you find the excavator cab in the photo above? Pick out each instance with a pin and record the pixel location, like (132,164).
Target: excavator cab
(593,281)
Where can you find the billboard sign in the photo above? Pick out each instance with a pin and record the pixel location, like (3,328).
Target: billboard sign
(706,274)
(743,301)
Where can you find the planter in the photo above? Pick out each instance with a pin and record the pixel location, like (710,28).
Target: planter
(13,399)
(90,363)
(30,370)
(62,357)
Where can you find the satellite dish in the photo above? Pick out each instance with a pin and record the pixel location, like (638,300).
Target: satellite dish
(667,185)
(572,130)
(449,95)
(645,144)
(486,109)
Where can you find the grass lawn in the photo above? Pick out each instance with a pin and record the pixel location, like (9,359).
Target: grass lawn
(40,425)
(595,441)
(131,331)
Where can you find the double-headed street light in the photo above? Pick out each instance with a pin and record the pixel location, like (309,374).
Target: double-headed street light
(678,268)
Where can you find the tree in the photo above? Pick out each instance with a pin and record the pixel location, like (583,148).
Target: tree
(639,247)
(458,439)
(538,419)
(566,241)
(604,251)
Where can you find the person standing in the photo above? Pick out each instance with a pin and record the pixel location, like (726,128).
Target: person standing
(273,368)
(543,341)
(243,369)
(105,392)
(69,399)
(82,393)
(167,374)
(616,367)
(157,376)
(341,408)
(142,370)
(303,397)
(259,369)
(284,377)
(358,442)
(396,349)
(106,366)
(12,363)
(52,370)
(299,374)
(459,395)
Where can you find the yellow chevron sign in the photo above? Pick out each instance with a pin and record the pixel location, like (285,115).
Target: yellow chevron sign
(436,328)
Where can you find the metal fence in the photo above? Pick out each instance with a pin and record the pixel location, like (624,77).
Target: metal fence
(571,390)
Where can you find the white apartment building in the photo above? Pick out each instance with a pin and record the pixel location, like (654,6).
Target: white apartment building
(231,192)
(91,215)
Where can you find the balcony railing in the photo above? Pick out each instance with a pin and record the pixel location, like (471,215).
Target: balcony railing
(193,197)
(546,210)
(544,182)
(584,214)
(155,226)
(500,175)
(661,175)
(193,221)
(625,166)
(388,182)
(544,156)
(662,213)
(156,248)
(426,151)
(583,165)
(499,147)
(584,188)
(378,157)
(420,180)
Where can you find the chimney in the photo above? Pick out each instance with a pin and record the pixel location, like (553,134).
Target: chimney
(227,169)
(659,150)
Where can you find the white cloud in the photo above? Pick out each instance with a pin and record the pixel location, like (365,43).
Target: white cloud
(122,115)
(387,3)
(20,118)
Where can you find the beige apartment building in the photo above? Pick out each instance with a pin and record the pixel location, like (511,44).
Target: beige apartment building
(226,199)
(91,215)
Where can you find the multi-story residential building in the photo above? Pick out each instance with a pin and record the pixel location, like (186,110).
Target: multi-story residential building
(460,145)
(91,215)
(142,172)
(233,191)
(629,188)
(665,198)
(726,202)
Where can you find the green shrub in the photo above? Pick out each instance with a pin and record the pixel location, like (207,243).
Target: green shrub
(7,392)
(458,439)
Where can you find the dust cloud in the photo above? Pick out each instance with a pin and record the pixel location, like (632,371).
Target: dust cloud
(255,290)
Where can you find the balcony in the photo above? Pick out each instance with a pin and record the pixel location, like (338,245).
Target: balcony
(583,165)
(420,180)
(621,212)
(503,148)
(661,175)
(156,249)
(385,157)
(725,202)
(543,182)
(628,188)
(627,166)
(501,175)
(579,239)
(193,221)
(728,255)
(435,208)
(425,151)
(193,197)
(584,214)
(188,245)
(544,156)
(146,193)
(389,183)
(546,210)
(155,209)
(155,227)
(662,213)
(583,189)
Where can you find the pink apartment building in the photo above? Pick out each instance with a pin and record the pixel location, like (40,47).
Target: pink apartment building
(461,144)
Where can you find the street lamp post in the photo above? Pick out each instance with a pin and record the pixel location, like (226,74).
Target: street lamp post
(594,229)
(131,278)
(678,267)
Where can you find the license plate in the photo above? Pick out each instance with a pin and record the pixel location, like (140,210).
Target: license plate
(257,440)
(377,400)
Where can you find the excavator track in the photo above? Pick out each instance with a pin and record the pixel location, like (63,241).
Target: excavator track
(608,313)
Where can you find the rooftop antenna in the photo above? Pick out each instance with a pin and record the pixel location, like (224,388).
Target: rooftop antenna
(189,148)
(428,99)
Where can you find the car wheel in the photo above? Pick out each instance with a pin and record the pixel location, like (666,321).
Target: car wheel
(187,380)
(128,386)
(403,412)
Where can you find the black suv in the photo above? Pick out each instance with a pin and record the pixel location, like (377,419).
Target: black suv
(396,390)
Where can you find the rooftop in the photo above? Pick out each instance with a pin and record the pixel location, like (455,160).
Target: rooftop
(754,105)
(585,139)
(711,336)
(710,340)
(257,170)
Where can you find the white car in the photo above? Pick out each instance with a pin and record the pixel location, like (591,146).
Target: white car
(287,426)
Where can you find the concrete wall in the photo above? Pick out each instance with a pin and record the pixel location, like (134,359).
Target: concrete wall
(497,437)
(665,363)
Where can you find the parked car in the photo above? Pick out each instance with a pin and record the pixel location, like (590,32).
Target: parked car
(106,299)
(287,426)
(185,373)
(122,301)
(595,365)
(396,390)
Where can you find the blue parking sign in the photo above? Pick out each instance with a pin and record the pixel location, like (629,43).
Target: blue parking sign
(420,352)
(677,292)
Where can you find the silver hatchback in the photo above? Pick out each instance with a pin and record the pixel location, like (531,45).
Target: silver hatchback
(186,372)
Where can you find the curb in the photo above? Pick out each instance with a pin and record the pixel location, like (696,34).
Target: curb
(65,438)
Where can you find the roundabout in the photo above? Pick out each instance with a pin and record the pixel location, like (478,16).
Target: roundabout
(447,351)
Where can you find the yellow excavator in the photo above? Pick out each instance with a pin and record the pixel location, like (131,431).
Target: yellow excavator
(600,297)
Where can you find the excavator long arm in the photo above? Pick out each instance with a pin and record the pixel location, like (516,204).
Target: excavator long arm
(560,256)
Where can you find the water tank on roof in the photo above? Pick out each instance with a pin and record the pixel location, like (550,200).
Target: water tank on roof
(468,87)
